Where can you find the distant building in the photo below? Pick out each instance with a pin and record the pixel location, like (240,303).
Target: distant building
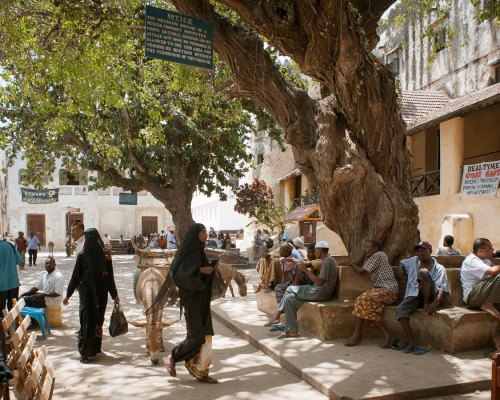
(99,209)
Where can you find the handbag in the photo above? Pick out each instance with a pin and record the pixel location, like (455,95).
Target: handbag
(118,324)
(218,285)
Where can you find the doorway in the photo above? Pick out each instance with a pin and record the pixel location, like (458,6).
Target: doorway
(308,231)
(36,223)
(149,225)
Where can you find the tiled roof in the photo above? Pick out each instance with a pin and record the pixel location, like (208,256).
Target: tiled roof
(301,213)
(416,105)
(455,108)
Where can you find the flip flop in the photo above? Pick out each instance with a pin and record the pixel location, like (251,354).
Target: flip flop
(409,349)
(207,379)
(286,336)
(277,328)
(419,352)
(387,346)
(398,344)
(271,324)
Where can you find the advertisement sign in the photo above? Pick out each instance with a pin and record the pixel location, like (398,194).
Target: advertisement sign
(33,196)
(480,179)
(179,38)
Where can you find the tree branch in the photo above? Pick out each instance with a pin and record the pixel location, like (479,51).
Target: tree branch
(132,154)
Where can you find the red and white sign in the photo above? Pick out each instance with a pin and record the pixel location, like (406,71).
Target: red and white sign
(480,179)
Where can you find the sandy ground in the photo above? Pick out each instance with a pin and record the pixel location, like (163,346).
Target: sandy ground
(123,372)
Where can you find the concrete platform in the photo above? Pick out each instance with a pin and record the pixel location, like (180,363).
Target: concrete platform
(361,372)
(452,329)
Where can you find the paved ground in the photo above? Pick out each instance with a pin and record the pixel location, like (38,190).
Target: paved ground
(245,372)
(125,373)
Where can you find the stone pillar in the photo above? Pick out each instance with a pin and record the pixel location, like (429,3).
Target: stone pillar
(452,154)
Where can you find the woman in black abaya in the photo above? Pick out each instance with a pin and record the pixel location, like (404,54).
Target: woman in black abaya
(192,274)
(93,276)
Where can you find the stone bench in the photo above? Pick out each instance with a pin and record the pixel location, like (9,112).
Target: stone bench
(455,328)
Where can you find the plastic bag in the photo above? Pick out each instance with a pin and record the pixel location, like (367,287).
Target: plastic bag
(218,285)
(118,324)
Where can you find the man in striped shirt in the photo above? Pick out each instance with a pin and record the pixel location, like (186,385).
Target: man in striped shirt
(426,285)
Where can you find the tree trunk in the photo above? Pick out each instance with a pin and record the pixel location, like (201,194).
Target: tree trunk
(351,145)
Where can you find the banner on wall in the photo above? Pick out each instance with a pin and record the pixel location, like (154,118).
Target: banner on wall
(480,179)
(33,196)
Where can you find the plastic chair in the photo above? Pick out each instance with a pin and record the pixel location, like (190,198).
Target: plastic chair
(40,315)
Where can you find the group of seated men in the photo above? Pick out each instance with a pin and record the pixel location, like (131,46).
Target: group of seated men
(296,281)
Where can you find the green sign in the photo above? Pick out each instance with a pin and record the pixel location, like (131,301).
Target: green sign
(33,196)
(127,198)
(179,38)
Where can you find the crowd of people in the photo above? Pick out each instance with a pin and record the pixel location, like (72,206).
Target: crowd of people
(299,275)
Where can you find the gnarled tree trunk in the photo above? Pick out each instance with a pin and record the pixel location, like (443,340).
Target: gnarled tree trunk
(351,144)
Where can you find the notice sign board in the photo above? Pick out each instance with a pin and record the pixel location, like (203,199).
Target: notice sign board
(179,38)
(480,179)
(127,198)
(33,196)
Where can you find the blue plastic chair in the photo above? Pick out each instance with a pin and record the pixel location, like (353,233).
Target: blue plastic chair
(40,315)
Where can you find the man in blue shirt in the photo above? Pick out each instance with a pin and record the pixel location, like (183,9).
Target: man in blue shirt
(9,281)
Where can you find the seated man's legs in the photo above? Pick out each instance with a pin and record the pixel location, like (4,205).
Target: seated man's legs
(403,312)
(300,277)
(369,306)
(36,302)
(281,305)
(291,303)
(485,295)
(427,287)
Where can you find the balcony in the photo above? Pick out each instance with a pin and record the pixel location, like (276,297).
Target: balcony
(427,184)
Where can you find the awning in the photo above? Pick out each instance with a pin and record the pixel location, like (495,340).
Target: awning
(304,213)
(296,172)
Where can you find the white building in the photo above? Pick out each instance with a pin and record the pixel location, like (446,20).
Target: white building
(99,209)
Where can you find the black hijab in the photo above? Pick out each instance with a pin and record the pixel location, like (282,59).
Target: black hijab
(190,243)
(95,259)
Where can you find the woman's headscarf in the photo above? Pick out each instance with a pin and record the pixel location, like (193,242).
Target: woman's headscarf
(298,242)
(190,242)
(94,253)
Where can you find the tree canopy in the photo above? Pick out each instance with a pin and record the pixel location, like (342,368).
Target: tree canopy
(77,87)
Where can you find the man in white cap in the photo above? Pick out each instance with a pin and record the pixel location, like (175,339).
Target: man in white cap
(171,240)
(295,296)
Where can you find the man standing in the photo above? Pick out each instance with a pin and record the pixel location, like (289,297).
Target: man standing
(49,289)
(448,249)
(481,281)
(171,240)
(9,280)
(21,246)
(320,289)
(33,244)
(162,243)
(139,241)
(370,305)
(77,229)
(426,285)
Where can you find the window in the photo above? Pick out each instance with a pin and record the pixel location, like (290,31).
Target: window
(234,181)
(71,178)
(260,158)
(440,39)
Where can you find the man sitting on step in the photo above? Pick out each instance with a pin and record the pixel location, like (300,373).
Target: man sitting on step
(426,285)
(480,280)
(320,289)
(49,289)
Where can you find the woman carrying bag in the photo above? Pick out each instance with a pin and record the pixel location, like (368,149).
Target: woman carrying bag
(193,275)
(93,276)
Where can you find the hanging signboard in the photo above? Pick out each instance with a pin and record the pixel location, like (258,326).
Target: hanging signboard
(33,196)
(179,38)
(480,179)
(127,199)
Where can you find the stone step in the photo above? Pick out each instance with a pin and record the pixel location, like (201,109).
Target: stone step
(455,329)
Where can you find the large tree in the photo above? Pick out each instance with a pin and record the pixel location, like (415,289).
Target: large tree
(77,87)
(350,143)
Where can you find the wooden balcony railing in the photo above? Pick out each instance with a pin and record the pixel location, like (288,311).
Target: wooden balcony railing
(427,184)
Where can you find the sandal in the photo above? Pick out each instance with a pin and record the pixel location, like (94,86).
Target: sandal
(277,328)
(84,360)
(409,349)
(170,365)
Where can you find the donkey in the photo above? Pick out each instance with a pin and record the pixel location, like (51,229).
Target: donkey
(51,249)
(229,273)
(146,289)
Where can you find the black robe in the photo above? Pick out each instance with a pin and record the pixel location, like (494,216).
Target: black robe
(93,301)
(195,290)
